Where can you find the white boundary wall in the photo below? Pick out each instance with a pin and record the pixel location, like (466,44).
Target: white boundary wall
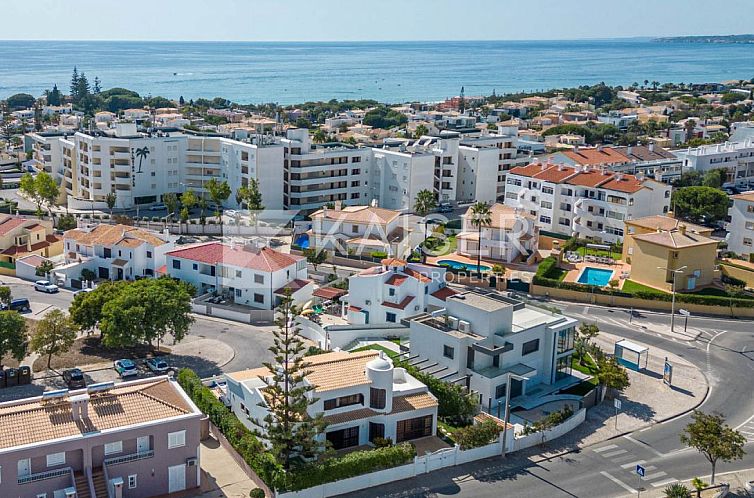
(522,442)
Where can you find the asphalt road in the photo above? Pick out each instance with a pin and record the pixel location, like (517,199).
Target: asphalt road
(724,352)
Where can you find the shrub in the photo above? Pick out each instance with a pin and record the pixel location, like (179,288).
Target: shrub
(256,493)
(477,435)
(379,255)
(155,219)
(552,420)
(453,401)
(676,490)
(382,442)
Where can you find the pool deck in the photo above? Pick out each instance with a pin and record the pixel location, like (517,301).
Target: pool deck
(574,270)
(433,260)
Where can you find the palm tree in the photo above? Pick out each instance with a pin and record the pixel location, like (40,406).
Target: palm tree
(142,154)
(481,216)
(424,203)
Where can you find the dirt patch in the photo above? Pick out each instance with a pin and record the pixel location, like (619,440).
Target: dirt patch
(88,350)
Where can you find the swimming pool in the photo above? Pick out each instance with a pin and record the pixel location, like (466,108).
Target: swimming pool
(457,265)
(595,276)
(302,241)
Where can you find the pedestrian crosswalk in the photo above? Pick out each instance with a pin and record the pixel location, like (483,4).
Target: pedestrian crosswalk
(747,429)
(624,474)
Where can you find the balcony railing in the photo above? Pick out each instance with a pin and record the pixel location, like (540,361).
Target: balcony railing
(41,476)
(129,458)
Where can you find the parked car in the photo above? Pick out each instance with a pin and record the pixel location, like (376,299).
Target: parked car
(21,305)
(157,365)
(230,212)
(158,207)
(445,207)
(125,368)
(45,286)
(74,378)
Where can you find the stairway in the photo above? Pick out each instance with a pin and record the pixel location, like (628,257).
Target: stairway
(82,485)
(100,486)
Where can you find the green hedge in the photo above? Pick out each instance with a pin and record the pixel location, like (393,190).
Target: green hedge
(477,435)
(350,465)
(453,401)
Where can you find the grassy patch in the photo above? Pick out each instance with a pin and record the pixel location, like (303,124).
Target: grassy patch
(588,368)
(447,245)
(376,347)
(631,287)
(557,274)
(600,253)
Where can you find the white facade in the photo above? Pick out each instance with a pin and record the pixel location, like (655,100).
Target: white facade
(511,234)
(369,399)
(740,229)
(246,275)
(480,338)
(736,157)
(584,202)
(393,291)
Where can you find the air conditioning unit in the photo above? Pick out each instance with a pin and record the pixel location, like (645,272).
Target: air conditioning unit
(453,322)
(191,462)
(368,302)
(464,326)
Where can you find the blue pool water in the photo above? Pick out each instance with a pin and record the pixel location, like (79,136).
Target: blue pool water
(595,276)
(456,265)
(302,241)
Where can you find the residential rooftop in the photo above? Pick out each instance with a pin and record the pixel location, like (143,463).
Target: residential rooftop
(261,259)
(109,235)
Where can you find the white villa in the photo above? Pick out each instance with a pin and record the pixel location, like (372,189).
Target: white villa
(362,396)
(513,233)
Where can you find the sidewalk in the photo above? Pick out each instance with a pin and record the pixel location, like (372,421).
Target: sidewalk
(737,480)
(222,477)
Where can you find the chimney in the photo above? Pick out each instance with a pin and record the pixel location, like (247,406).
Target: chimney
(79,407)
(651,147)
(682,229)
(599,148)
(338,205)
(629,150)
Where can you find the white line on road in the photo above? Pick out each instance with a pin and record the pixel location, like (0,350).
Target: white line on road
(619,482)
(605,448)
(747,421)
(614,453)
(656,475)
(632,464)
(663,483)
(713,338)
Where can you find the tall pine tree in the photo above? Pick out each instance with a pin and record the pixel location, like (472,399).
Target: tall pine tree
(97,88)
(75,84)
(290,430)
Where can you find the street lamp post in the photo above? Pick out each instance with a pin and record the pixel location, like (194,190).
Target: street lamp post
(672,293)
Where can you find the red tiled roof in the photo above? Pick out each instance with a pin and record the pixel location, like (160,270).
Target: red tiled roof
(396,279)
(329,293)
(628,184)
(264,259)
(417,275)
(32,260)
(11,223)
(34,247)
(596,156)
(162,269)
(353,308)
(400,306)
(444,293)
(293,285)
(591,178)
(393,262)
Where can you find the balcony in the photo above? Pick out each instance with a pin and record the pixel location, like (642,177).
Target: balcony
(129,458)
(42,476)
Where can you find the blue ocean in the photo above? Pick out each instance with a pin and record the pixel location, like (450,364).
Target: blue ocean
(288,73)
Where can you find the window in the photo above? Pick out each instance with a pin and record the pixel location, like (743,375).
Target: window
(448,352)
(564,222)
(546,204)
(530,347)
(413,428)
(500,391)
(547,190)
(566,339)
(545,219)
(176,439)
(176,264)
(354,228)
(114,447)
(239,273)
(390,317)
(132,481)
(258,279)
(239,293)
(353,399)
(149,254)
(747,241)
(391,292)
(56,459)
(377,398)
(258,298)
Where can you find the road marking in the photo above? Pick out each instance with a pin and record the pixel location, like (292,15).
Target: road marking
(656,475)
(746,422)
(644,445)
(619,482)
(663,483)
(713,338)
(622,459)
(605,448)
(632,464)
(614,453)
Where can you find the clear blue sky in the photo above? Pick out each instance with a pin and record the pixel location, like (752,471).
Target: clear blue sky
(315,20)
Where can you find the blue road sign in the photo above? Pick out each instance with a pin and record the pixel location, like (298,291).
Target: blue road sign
(640,470)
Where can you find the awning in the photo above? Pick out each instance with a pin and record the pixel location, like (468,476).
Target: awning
(119,262)
(330,293)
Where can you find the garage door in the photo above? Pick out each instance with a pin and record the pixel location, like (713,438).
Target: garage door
(176,478)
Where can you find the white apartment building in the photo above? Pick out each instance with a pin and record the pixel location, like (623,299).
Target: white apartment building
(140,168)
(649,160)
(512,233)
(358,230)
(248,275)
(736,157)
(478,339)
(393,291)
(315,175)
(361,395)
(483,158)
(740,228)
(116,252)
(584,202)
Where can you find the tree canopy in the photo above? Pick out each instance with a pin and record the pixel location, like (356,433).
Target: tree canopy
(55,334)
(383,117)
(700,204)
(713,438)
(12,335)
(20,101)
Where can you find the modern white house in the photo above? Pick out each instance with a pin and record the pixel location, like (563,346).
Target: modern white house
(735,157)
(740,228)
(362,396)
(248,275)
(478,339)
(511,235)
(359,230)
(393,291)
(584,201)
(116,252)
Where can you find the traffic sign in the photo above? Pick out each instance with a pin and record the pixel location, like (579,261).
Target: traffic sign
(640,470)
(684,312)
(617,404)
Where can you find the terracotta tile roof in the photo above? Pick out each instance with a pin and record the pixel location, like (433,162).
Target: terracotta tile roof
(626,183)
(264,259)
(590,178)
(666,223)
(745,196)
(358,214)
(483,417)
(393,262)
(547,173)
(640,153)
(396,279)
(293,286)
(350,416)
(11,223)
(252,373)
(108,235)
(339,369)
(353,308)
(595,156)
(32,260)
(411,402)
(329,292)
(502,216)
(675,239)
(34,247)
(399,306)
(444,293)
(417,275)
(123,406)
